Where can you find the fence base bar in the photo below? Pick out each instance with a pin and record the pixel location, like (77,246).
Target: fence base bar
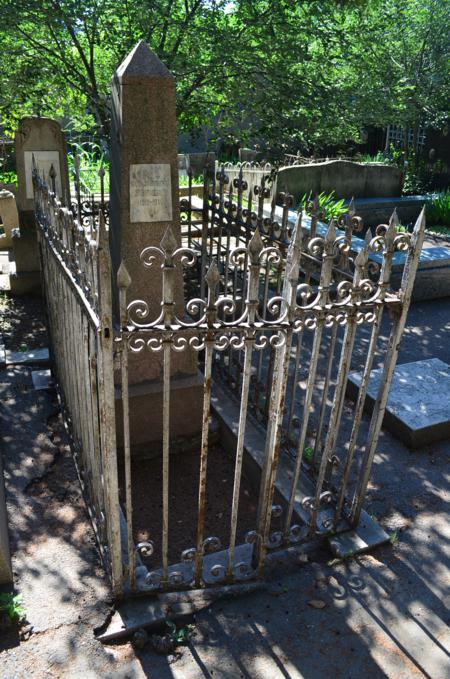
(367,535)
(152,613)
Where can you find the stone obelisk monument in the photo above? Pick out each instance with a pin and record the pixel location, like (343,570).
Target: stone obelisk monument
(144,201)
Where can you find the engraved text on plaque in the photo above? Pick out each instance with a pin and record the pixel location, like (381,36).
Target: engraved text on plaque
(150,193)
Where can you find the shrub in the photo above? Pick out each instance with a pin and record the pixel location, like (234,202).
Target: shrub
(91,160)
(438,209)
(329,208)
(9,177)
(11,605)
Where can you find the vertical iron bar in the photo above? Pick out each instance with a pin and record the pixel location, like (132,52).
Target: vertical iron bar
(166,450)
(326,387)
(123,283)
(277,399)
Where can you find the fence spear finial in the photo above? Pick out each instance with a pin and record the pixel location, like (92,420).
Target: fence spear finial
(362,258)
(102,234)
(123,277)
(212,275)
(394,218)
(351,208)
(169,242)
(331,232)
(255,246)
(52,175)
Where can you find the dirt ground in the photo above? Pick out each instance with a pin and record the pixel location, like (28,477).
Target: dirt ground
(22,322)
(183,507)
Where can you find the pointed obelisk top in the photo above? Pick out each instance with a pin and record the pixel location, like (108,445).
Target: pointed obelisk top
(142,63)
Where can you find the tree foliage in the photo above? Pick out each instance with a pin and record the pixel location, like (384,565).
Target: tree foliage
(301,75)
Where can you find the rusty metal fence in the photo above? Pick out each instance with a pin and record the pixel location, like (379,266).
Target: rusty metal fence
(76,271)
(275,311)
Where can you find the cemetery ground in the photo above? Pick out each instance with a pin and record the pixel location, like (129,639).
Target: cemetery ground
(384,614)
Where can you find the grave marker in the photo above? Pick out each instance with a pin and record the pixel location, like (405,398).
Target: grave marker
(144,201)
(43,139)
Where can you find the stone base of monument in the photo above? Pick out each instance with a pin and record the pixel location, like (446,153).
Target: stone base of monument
(26,283)
(418,408)
(146,414)
(25,244)
(25,275)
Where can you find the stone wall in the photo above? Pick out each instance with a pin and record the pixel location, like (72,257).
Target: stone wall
(344,177)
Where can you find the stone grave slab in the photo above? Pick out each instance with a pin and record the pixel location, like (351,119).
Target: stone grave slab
(418,407)
(33,357)
(433,275)
(9,219)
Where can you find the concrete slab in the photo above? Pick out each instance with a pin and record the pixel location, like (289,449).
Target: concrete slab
(418,407)
(33,357)
(42,379)
(152,612)
(365,537)
(429,258)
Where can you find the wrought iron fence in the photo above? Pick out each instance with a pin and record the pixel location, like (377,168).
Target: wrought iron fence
(76,273)
(274,310)
(221,321)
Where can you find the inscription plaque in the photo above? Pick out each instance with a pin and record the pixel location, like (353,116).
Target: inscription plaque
(150,193)
(43,160)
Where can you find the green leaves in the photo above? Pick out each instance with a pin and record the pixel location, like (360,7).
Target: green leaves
(329,207)
(179,636)
(438,209)
(289,75)
(11,605)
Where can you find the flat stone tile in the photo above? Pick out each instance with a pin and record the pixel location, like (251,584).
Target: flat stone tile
(418,407)
(27,357)
(364,538)
(41,379)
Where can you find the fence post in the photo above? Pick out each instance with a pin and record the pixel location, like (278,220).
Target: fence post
(277,400)
(107,408)
(406,289)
